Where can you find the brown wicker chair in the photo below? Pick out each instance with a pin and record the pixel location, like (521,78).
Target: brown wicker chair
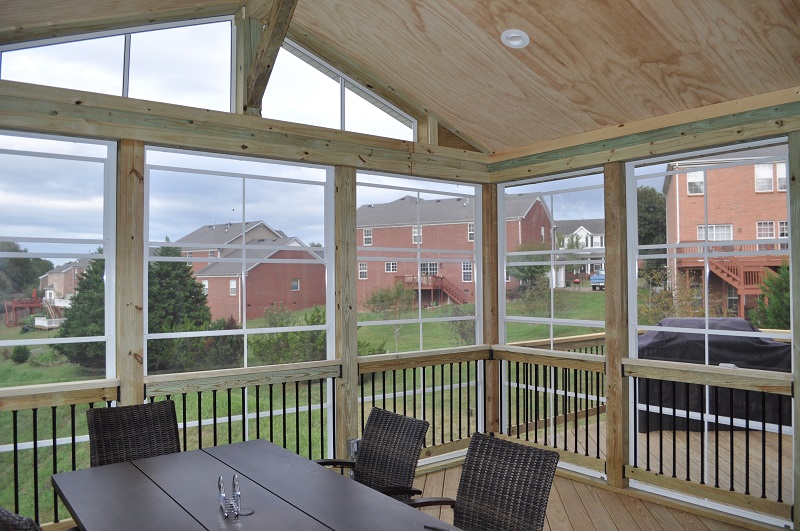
(387,453)
(504,486)
(125,433)
(15,522)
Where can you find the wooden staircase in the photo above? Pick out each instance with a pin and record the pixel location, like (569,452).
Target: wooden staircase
(743,273)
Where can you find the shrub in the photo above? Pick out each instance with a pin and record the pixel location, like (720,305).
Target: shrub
(20,354)
(5,353)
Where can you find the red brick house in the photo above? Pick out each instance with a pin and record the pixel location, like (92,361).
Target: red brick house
(292,276)
(746,202)
(427,227)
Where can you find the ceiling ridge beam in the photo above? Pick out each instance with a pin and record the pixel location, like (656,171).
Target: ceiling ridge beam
(276,24)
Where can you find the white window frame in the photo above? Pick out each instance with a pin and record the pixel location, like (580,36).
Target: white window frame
(695,177)
(416,234)
(431,269)
(714,230)
(367,237)
(783,232)
(763,178)
(762,227)
(232,287)
(295,284)
(780,169)
(204,282)
(466,272)
(390,267)
(470,232)
(362,271)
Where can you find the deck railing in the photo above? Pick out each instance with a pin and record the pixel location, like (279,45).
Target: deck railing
(553,397)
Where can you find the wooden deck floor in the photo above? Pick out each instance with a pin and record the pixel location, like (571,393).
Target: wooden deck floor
(580,506)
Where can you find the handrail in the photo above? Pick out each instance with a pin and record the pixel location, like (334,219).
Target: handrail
(58,394)
(408,360)
(555,358)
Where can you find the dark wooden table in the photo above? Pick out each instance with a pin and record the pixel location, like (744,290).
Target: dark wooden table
(179,491)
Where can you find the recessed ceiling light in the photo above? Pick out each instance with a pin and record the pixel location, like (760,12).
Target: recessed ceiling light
(514,38)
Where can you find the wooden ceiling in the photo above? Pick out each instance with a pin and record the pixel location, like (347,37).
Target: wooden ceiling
(592,65)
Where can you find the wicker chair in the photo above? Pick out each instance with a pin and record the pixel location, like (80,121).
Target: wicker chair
(14,522)
(125,433)
(504,486)
(387,453)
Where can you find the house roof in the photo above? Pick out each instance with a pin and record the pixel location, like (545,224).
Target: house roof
(222,233)
(227,269)
(565,227)
(593,70)
(63,268)
(403,211)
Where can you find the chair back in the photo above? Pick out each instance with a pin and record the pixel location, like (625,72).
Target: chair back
(16,522)
(504,485)
(389,450)
(125,433)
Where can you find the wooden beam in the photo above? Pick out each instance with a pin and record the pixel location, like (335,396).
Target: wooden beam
(130,266)
(490,279)
(27,107)
(57,394)
(794,270)
(616,349)
(248,35)
(740,126)
(263,61)
(346,310)
(75,18)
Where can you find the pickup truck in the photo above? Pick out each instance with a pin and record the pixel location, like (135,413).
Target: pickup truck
(598,280)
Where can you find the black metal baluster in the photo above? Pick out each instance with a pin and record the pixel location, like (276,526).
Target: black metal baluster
(565,381)
(469,402)
(35,420)
(55,459)
(73,436)
(536,370)
(746,441)
(688,438)
(383,388)
(245,409)
(321,418)
(283,415)
(526,397)
(297,417)
(441,402)
(310,426)
(545,419)
(647,423)
(424,412)
(414,394)
(15,440)
(258,412)
(661,426)
(199,419)
(763,445)
(450,395)
(460,406)
(597,417)
(716,436)
(433,405)
(780,450)
(405,391)
(214,414)
(230,416)
(394,391)
(361,377)
(271,416)
(516,393)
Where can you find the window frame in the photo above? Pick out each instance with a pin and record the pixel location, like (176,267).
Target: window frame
(416,234)
(367,237)
(760,176)
(295,284)
(390,267)
(467,272)
(695,177)
(471,232)
(716,229)
(363,272)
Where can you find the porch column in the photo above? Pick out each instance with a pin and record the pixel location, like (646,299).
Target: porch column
(129,311)
(491,322)
(616,324)
(794,271)
(345,271)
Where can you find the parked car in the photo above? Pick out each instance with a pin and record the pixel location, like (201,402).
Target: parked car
(598,280)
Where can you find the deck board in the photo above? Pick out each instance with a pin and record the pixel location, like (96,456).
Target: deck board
(576,505)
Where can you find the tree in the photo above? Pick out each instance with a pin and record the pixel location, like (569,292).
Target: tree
(20,354)
(652,221)
(531,274)
(392,303)
(20,275)
(463,331)
(774,308)
(289,347)
(176,303)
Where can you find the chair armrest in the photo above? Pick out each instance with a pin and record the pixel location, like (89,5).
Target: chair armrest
(344,463)
(411,491)
(427,502)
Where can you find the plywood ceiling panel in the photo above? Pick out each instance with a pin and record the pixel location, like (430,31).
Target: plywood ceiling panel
(592,64)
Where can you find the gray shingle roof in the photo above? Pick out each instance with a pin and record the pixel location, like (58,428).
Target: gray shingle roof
(221,233)
(226,269)
(82,262)
(403,211)
(565,227)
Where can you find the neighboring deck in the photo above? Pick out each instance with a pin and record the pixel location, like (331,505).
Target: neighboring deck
(582,506)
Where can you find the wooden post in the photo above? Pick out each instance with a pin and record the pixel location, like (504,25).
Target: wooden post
(428,130)
(346,306)
(248,35)
(491,317)
(616,324)
(794,270)
(130,271)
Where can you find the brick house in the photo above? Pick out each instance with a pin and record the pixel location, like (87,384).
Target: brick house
(586,235)
(61,282)
(745,203)
(436,224)
(293,276)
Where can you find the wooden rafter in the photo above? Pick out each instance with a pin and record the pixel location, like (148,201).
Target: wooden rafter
(276,25)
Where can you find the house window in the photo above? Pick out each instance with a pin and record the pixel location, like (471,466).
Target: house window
(391,267)
(783,232)
(716,233)
(781,170)
(695,183)
(205,287)
(763,177)
(295,284)
(232,288)
(429,269)
(212,254)
(367,236)
(416,234)
(765,229)
(508,277)
(470,232)
(733,301)
(362,271)
(466,272)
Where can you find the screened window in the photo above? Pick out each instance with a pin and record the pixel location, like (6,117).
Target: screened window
(367,236)
(695,182)
(362,271)
(391,267)
(715,233)
(763,177)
